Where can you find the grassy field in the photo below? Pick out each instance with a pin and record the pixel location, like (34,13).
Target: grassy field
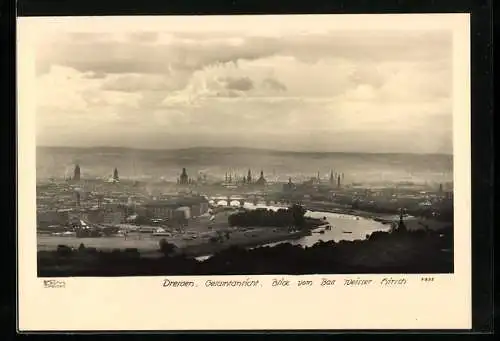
(203,229)
(395,253)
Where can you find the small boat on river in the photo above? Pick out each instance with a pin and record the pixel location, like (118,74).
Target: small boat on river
(162,234)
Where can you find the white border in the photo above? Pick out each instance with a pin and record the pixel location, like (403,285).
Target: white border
(141,303)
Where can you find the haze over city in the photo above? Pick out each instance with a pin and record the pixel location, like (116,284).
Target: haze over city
(294,90)
(247,145)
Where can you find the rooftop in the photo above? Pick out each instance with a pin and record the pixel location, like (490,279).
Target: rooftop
(176,202)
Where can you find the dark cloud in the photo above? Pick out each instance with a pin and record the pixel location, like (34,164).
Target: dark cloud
(368,74)
(120,57)
(366,46)
(94,75)
(205,36)
(240,84)
(84,37)
(42,67)
(135,83)
(105,55)
(93,99)
(273,84)
(229,93)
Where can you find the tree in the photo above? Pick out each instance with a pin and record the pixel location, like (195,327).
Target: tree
(298,213)
(63,250)
(167,248)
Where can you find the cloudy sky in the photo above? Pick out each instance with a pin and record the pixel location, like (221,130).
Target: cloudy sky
(339,90)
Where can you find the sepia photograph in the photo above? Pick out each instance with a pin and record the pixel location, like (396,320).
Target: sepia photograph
(211,163)
(244,151)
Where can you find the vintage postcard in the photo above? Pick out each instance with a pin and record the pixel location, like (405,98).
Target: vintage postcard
(240,170)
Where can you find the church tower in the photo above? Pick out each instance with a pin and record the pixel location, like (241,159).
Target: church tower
(76,173)
(249,176)
(77,197)
(401,225)
(115,175)
(261,181)
(183,180)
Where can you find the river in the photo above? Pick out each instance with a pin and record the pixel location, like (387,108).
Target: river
(344,227)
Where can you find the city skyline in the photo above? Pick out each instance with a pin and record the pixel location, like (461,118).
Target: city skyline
(327,90)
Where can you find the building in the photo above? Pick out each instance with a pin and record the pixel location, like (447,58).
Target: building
(182,213)
(183,179)
(261,181)
(249,177)
(160,209)
(289,187)
(76,173)
(113,217)
(77,198)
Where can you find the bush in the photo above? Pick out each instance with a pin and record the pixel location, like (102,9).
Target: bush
(293,215)
(419,233)
(132,252)
(167,248)
(63,250)
(377,235)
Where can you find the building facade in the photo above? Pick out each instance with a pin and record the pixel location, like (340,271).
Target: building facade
(55,217)
(76,173)
(166,209)
(184,179)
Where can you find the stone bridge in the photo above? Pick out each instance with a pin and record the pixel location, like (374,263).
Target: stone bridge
(241,199)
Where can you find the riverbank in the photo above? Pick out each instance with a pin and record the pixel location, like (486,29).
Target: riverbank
(252,238)
(411,222)
(398,252)
(200,245)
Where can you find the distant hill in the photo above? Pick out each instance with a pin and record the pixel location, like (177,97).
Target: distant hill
(215,162)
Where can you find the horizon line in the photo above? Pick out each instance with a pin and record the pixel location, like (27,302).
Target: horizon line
(243,148)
